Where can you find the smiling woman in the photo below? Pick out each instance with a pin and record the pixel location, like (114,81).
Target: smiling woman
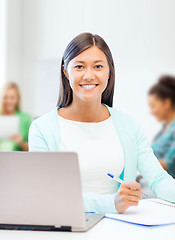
(97,67)
(105,138)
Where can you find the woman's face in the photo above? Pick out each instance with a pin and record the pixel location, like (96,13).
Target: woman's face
(10,100)
(88,74)
(158,107)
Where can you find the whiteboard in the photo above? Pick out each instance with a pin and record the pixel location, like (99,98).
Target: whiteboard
(46,85)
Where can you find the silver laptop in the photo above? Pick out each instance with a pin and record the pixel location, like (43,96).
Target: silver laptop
(42,191)
(9,125)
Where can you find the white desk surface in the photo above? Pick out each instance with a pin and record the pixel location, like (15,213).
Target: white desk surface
(105,229)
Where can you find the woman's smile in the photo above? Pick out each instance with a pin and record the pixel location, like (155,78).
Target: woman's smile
(88,87)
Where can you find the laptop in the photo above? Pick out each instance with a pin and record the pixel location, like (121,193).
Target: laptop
(9,125)
(42,191)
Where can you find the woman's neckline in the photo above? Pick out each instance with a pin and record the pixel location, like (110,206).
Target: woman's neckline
(87,123)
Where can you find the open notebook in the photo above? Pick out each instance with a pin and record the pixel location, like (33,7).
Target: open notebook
(149,213)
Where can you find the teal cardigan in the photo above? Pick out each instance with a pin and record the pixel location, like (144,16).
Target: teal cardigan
(138,155)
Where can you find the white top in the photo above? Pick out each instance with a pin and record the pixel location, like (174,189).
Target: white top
(99,152)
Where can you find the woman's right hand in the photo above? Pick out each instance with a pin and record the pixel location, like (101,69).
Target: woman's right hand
(128,194)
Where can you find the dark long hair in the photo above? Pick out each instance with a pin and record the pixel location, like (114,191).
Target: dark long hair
(164,88)
(80,43)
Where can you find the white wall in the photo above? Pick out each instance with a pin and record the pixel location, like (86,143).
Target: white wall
(140,35)
(3,45)
(14,40)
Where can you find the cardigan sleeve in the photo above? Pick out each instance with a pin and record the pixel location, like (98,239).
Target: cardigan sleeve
(36,141)
(159,181)
(101,203)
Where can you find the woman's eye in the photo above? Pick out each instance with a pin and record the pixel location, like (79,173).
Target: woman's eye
(99,66)
(78,67)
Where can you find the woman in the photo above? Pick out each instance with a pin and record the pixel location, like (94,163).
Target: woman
(106,139)
(161,99)
(10,105)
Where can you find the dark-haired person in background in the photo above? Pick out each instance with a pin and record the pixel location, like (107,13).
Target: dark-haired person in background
(161,99)
(105,138)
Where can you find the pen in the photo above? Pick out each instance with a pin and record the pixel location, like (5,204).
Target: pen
(115,178)
(120,181)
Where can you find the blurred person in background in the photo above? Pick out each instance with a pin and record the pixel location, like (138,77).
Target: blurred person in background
(161,99)
(10,105)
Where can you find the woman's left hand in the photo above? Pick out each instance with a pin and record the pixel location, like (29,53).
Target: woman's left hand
(17,138)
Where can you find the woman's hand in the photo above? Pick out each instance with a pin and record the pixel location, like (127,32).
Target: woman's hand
(129,194)
(163,163)
(19,140)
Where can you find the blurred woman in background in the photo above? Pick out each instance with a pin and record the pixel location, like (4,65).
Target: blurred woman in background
(161,99)
(10,105)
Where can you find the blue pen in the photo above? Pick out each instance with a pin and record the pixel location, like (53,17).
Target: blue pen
(119,180)
(115,178)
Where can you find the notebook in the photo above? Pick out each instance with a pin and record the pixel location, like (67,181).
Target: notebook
(149,213)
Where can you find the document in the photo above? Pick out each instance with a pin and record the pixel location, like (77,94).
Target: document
(149,213)
(9,125)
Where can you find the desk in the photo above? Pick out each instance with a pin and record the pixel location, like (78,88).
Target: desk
(106,229)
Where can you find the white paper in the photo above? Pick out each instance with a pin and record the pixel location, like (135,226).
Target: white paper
(9,126)
(148,212)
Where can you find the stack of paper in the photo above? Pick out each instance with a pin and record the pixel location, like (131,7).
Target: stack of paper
(148,213)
